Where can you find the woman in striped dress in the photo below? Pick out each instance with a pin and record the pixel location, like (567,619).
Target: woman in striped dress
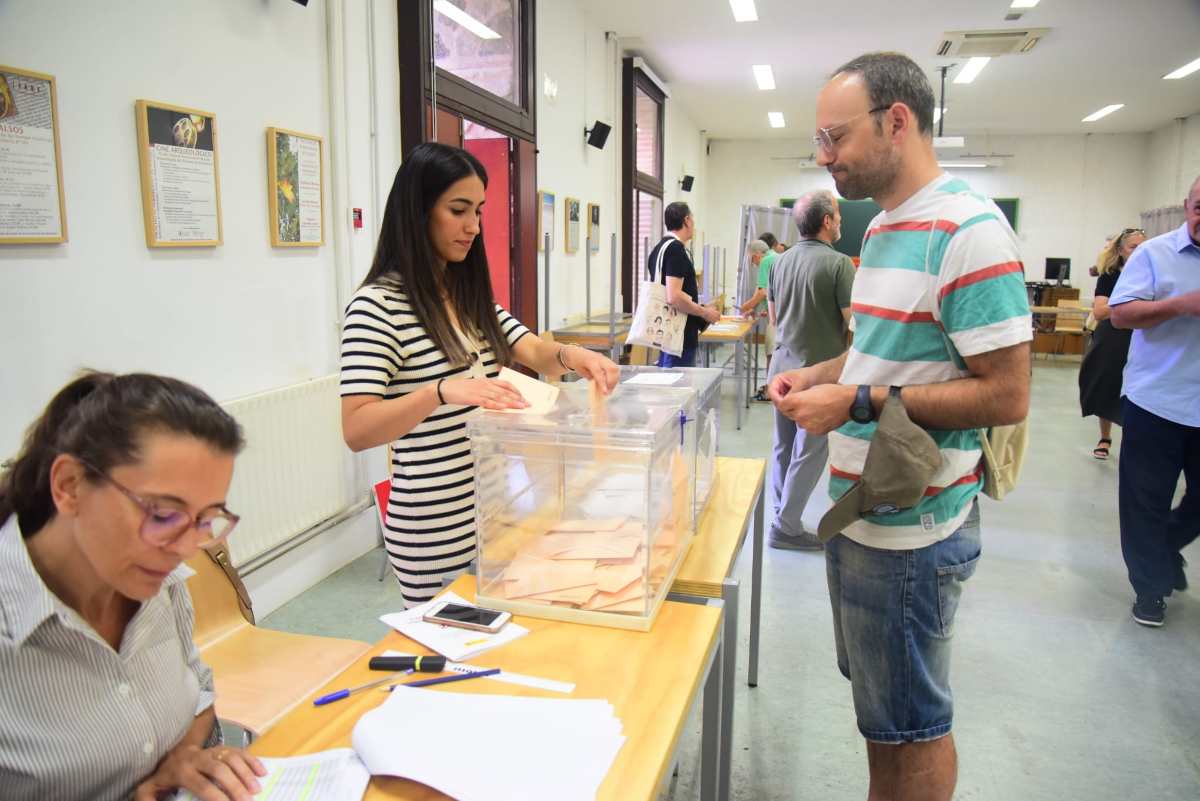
(422,344)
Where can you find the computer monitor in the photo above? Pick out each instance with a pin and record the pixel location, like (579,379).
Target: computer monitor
(1058,270)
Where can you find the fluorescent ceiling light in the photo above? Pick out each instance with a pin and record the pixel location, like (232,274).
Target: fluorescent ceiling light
(1104,112)
(1184,71)
(972,69)
(743,10)
(963,165)
(775,118)
(451,11)
(937,114)
(1024,3)
(764,75)
(949,141)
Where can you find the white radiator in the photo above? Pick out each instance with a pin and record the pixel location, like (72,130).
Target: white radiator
(295,471)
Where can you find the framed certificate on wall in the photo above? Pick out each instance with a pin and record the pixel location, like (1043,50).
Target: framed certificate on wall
(295,188)
(593,227)
(177,157)
(571,215)
(33,209)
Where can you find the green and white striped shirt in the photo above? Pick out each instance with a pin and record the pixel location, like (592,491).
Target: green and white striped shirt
(940,278)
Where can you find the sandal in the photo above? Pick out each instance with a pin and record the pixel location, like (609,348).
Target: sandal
(1101,449)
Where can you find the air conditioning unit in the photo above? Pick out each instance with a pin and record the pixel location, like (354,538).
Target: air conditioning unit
(967,44)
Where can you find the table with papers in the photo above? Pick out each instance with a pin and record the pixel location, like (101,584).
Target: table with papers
(651,680)
(737,332)
(706,573)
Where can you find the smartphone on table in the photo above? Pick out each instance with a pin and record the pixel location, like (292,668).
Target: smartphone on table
(465,616)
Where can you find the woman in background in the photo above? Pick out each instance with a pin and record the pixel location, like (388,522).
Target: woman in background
(102,692)
(422,345)
(1100,374)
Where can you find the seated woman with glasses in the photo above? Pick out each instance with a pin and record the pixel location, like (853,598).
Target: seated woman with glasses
(102,693)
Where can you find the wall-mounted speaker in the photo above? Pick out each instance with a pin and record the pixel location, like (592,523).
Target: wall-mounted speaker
(597,135)
(685,183)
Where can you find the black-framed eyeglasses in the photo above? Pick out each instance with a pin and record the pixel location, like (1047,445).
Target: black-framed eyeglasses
(824,139)
(165,522)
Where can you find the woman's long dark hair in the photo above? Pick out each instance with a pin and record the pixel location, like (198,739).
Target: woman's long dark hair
(101,418)
(405,257)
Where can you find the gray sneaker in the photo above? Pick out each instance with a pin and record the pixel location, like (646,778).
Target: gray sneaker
(795,542)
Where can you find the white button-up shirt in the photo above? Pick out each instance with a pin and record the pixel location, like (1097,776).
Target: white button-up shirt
(79,720)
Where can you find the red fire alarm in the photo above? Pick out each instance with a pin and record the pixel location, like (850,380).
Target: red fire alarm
(356,216)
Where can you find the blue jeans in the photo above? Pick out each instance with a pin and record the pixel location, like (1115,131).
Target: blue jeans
(685,359)
(1154,451)
(893,618)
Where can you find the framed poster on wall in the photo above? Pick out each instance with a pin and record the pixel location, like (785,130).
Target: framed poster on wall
(177,157)
(545,219)
(571,215)
(33,209)
(295,188)
(593,227)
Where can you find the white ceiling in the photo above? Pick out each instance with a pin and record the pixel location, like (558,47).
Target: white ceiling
(1097,52)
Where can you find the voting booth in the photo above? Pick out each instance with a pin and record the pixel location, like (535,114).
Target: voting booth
(585,513)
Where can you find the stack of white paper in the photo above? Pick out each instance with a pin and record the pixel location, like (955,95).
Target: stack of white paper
(453,643)
(493,747)
(336,775)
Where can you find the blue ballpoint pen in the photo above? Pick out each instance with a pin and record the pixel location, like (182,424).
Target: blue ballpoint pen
(443,679)
(340,694)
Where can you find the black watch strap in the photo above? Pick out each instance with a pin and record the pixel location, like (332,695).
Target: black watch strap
(862,411)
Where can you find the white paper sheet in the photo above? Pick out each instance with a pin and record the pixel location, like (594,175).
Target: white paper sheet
(453,643)
(529,749)
(336,775)
(656,379)
(540,395)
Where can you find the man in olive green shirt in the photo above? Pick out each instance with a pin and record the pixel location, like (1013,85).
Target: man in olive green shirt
(809,301)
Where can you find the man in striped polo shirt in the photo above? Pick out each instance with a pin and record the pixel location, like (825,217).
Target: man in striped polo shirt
(940,312)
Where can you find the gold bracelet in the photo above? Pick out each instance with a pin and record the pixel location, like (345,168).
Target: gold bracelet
(559,356)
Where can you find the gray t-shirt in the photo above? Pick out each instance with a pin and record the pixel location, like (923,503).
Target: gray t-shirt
(810,285)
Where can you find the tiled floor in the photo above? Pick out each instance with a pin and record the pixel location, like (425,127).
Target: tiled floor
(1059,695)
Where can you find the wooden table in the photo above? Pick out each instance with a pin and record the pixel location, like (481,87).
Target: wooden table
(593,335)
(741,372)
(705,574)
(652,679)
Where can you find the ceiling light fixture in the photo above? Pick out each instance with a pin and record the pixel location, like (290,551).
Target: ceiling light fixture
(1024,3)
(743,10)
(776,119)
(765,76)
(1104,112)
(1184,71)
(453,12)
(972,69)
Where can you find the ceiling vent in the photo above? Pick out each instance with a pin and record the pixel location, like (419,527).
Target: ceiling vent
(967,44)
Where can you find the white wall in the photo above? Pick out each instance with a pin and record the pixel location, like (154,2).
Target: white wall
(1173,156)
(236,319)
(1074,190)
(573,52)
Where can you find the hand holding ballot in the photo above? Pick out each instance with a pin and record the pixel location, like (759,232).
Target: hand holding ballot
(488,393)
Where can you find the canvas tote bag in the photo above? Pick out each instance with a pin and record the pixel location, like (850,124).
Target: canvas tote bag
(656,323)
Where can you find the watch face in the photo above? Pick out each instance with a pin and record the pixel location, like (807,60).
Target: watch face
(860,415)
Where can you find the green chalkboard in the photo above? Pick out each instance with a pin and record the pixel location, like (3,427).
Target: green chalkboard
(857,215)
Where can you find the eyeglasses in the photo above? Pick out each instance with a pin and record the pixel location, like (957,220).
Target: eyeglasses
(166,522)
(824,139)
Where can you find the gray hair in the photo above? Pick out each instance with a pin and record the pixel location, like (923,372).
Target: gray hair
(759,246)
(894,78)
(810,210)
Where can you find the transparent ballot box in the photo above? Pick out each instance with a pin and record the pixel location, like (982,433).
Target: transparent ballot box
(706,382)
(585,514)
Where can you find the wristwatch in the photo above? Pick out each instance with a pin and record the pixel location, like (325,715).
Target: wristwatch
(861,411)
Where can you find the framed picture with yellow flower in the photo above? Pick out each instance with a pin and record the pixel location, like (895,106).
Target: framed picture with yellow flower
(181,187)
(295,188)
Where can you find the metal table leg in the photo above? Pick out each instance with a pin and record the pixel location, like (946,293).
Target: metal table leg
(756,588)
(729,592)
(710,735)
(739,375)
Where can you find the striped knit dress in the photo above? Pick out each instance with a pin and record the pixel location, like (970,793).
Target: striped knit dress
(386,352)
